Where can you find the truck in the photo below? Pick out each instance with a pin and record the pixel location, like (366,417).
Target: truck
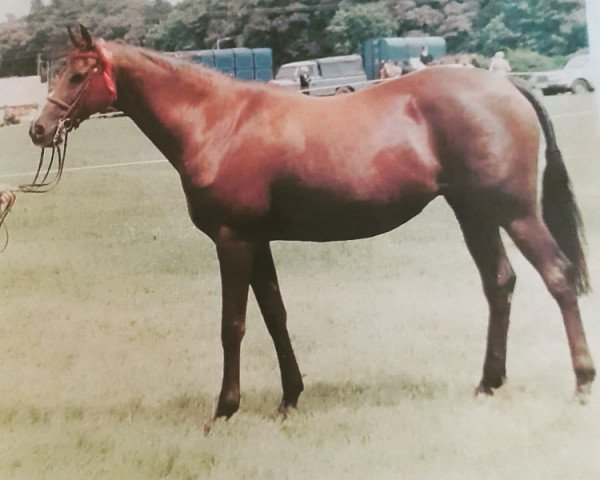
(576,77)
(328,76)
(348,73)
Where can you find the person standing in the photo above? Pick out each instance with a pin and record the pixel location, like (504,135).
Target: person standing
(383,74)
(390,69)
(303,75)
(500,65)
(425,57)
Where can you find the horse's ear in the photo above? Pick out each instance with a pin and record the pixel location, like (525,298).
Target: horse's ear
(86,37)
(75,40)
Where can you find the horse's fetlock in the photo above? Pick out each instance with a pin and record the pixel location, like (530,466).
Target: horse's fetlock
(229,403)
(585,374)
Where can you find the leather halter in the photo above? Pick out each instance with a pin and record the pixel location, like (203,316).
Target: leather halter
(103,69)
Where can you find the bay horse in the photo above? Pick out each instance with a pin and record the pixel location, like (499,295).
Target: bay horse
(258,164)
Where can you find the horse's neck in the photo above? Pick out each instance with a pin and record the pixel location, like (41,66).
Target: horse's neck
(166,104)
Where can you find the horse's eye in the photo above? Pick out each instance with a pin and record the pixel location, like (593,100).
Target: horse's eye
(76,78)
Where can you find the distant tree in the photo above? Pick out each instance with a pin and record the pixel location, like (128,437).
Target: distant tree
(155,16)
(293,29)
(14,59)
(497,36)
(185,27)
(457,27)
(551,27)
(355,23)
(452,19)
(37,6)
(296,29)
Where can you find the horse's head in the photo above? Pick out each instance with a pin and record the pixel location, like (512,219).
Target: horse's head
(86,86)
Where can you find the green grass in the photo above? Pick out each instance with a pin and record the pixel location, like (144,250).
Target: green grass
(111,359)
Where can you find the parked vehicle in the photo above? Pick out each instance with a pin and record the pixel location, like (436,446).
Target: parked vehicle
(326,76)
(575,76)
(348,73)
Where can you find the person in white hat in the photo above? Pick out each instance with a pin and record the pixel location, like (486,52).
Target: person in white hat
(499,64)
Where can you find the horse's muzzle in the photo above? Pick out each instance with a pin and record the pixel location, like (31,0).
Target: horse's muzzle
(41,135)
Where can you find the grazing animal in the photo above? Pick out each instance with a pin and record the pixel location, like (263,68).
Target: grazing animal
(259,164)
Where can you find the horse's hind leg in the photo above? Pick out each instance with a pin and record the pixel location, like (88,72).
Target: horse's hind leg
(482,237)
(266,289)
(537,244)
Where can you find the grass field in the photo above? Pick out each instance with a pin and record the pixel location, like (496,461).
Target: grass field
(110,356)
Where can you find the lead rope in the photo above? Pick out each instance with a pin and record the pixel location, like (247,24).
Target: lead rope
(8,194)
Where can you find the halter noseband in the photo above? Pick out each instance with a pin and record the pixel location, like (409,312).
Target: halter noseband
(103,67)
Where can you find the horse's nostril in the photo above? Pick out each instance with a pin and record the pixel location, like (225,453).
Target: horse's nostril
(39,130)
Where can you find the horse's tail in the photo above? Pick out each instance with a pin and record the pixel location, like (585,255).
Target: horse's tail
(559,207)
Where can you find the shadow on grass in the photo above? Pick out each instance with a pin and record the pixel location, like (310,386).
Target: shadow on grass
(197,408)
(321,397)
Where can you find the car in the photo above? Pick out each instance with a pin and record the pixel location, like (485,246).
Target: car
(575,76)
(327,76)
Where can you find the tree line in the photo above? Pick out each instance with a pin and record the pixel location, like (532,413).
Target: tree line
(297,29)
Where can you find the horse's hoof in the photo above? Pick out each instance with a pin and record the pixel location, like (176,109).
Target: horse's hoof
(207,427)
(483,391)
(284,411)
(212,422)
(584,393)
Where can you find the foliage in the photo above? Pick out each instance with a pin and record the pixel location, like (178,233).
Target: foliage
(523,60)
(353,24)
(296,29)
(452,19)
(550,27)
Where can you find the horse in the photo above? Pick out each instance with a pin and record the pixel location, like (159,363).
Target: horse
(259,164)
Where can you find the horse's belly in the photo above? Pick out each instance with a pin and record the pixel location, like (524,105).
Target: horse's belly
(321,218)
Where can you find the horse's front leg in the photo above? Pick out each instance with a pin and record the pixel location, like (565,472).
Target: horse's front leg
(236,258)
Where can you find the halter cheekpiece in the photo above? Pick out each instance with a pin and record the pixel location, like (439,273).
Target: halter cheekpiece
(103,70)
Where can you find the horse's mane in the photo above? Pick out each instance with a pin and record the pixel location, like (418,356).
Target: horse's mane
(189,70)
(171,63)
(185,68)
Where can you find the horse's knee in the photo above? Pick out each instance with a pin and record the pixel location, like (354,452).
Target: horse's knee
(506,280)
(232,334)
(499,288)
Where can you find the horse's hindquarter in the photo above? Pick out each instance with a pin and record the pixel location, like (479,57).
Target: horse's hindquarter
(485,131)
